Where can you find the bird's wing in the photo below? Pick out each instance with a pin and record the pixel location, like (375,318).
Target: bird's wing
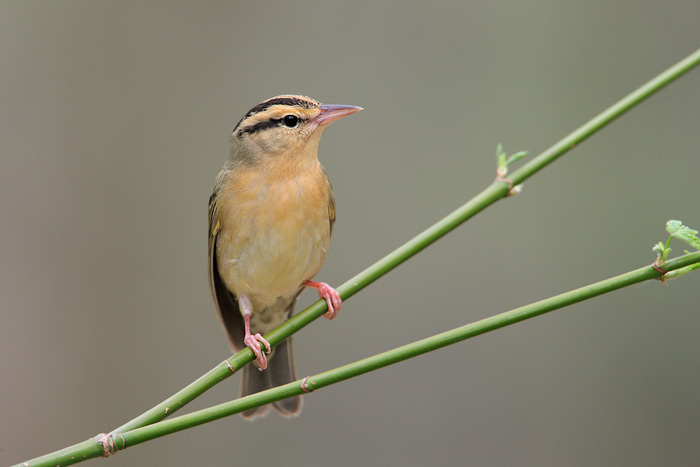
(225,302)
(331,202)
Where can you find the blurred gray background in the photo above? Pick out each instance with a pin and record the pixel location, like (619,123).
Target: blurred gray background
(115,118)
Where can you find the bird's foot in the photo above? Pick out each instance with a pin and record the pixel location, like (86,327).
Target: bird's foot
(330,295)
(253,341)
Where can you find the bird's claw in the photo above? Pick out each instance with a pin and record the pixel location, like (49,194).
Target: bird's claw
(254,341)
(330,295)
(333,301)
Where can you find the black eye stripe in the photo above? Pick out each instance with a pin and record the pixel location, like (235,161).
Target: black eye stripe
(289,101)
(261,107)
(260,126)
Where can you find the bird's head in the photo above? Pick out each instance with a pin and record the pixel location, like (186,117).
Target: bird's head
(283,126)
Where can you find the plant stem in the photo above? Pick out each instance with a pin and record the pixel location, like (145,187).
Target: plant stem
(489,196)
(147,433)
(607,116)
(405,352)
(668,242)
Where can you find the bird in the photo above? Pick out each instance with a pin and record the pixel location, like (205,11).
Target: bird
(271,216)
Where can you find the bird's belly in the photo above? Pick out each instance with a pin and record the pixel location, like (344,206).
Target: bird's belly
(271,254)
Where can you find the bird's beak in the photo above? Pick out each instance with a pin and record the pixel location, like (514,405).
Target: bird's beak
(331,113)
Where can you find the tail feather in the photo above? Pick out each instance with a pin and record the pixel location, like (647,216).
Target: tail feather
(280,371)
(254,381)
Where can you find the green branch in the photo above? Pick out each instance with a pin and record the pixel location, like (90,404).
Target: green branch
(119,441)
(400,354)
(494,192)
(489,196)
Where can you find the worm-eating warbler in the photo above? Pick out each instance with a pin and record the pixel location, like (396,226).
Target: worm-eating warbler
(270,221)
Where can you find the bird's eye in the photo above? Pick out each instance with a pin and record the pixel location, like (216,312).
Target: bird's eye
(290,121)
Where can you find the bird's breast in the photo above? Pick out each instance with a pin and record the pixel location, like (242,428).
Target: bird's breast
(273,236)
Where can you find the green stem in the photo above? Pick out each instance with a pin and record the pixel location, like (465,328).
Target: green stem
(489,196)
(405,352)
(605,117)
(668,242)
(166,427)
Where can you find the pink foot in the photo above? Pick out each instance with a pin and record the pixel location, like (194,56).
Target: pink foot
(330,295)
(253,341)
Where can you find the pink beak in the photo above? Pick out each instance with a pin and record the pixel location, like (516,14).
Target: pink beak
(331,113)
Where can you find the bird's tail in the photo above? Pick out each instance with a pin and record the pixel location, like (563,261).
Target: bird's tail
(280,371)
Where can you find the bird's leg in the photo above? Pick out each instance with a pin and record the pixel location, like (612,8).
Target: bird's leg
(253,340)
(329,294)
